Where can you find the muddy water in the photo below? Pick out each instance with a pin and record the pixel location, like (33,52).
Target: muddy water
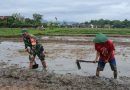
(83,38)
(60,58)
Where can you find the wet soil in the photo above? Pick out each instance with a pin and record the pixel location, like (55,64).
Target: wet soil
(62,74)
(15,78)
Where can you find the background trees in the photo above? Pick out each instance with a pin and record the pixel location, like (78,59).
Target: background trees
(37,18)
(17,20)
(101,23)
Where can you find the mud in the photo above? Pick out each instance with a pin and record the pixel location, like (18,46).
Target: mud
(62,71)
(15,78)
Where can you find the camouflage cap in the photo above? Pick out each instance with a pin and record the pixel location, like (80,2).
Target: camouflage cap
(24,30)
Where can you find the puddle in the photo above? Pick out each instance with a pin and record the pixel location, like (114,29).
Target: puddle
(61,58)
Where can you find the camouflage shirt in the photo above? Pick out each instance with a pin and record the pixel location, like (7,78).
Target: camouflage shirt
(27,41)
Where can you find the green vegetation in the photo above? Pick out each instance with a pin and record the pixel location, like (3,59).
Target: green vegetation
(19,21)
(86,31)
(16,20)
(14,32)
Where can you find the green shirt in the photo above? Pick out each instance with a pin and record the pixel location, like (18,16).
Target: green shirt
(27,41)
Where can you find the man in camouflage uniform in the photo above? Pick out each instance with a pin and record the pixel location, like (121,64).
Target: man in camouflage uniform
(33,48)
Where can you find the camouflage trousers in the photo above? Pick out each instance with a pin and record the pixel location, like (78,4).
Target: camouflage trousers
(33,54)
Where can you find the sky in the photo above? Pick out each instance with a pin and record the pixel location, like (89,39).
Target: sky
(68,10)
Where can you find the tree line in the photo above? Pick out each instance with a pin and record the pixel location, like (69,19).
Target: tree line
(17,20)
(101,23)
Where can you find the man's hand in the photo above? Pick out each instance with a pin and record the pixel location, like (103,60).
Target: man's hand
(95,61)
(45,52)
(97,57)
(26,50)
(106,61)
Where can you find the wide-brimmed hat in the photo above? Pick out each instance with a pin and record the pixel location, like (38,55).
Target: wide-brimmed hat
(100,38)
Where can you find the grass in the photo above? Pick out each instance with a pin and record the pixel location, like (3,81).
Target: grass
(13,32)
(83,31)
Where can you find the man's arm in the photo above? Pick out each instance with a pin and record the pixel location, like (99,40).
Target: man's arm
(112,50)
(97,57)
(26,45)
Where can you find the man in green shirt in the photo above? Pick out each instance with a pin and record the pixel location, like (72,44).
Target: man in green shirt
(33,48)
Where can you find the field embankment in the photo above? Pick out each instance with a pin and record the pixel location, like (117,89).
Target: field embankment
(16,32)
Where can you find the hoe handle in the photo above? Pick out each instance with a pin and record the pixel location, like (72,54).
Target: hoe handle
(78,62)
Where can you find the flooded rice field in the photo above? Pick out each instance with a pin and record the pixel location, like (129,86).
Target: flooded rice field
(83,38)
(61,58)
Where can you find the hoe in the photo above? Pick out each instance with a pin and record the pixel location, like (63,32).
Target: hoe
(78,62)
